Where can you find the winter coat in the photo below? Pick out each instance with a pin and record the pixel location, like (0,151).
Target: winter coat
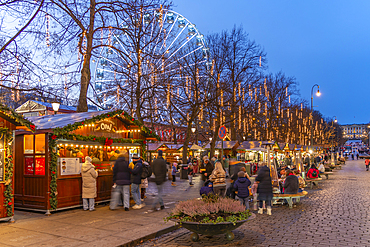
(174,170)
(209,169)
(291,185)
(121,172)
(242,186)
(159,167)
(310,171)
(136,172)
(89,176)
(264,179)
(218,178)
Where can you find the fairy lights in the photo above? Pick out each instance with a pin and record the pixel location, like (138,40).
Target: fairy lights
(47,30)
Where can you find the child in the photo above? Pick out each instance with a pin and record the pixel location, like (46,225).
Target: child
(190,174)
(174,171)
(207,188)
(367,161)
(254,193)
(242,187)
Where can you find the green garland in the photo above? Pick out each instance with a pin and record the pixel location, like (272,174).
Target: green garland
(18,118)
(8,192)
(118,113)
(53,172)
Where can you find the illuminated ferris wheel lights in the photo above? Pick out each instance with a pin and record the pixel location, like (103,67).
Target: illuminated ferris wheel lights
(147,18)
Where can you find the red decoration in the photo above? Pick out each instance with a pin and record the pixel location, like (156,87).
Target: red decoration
(94,139)
(119,141)
(108,115)
(132,119)
(108,142)
(53,172)
(33,127)
(10,203)
(150,132)
(82,123)
(9,156)
(144,142)
(53,137)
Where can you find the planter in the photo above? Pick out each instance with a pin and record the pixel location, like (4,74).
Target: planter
(210,229)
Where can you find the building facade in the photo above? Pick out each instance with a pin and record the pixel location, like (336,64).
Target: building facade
(355,131)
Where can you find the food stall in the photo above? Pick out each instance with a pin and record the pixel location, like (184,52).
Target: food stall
(9,122)
(228,146)
(48,161)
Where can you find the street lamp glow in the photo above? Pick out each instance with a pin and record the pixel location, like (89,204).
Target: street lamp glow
(210,139)
(193,129)
(318,93)
(55,106)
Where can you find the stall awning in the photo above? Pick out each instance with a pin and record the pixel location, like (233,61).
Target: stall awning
(195,147)
(247,145)
(227,145)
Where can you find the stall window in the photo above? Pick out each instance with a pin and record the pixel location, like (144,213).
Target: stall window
(34,158)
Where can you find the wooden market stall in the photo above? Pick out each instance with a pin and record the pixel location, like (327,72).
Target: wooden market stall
(49,160)
(9,122)
(228,146)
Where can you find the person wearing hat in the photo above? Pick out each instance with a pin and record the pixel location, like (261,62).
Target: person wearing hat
(159,167)
(89,175)
(241,185)
(136,181)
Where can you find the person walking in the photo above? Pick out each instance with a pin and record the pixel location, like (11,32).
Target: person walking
(367,161)
(89,175)
(136,181)
(121,182)
(264,189)
(190,174)
(357,156)
(174,171)
(218,177)
(144,183)
(352,156)
(159,167)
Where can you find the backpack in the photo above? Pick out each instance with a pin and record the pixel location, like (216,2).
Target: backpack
(314,173)
(147,171)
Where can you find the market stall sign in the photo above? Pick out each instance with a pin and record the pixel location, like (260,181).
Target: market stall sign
(2,158)
(106,126)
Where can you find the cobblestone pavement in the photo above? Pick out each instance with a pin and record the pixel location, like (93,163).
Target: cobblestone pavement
(335,214)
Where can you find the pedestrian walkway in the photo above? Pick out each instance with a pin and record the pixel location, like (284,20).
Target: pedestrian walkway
(336,214)
(98,228)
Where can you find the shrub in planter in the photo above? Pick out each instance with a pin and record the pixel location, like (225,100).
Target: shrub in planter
(209,209)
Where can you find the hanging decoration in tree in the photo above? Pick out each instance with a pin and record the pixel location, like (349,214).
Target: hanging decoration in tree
(47,30)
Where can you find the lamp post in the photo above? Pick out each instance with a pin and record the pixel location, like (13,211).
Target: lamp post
(55,106)
(317,94)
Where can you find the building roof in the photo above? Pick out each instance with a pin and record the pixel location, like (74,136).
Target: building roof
(227,145)
(62,120)
(249,145)
(34,106)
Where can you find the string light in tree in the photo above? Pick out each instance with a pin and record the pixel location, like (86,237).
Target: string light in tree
(47,30)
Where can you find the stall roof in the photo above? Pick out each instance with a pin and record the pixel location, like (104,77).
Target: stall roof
(14,118)
(62,120)
(195,147)
(247,145)
(227,145)
(155,146)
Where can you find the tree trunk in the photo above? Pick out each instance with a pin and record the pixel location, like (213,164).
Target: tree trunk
(186,143)
(86,72)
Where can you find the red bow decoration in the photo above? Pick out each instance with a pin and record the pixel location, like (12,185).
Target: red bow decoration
(94,139)
(144,142)
(53,137)
(53,172)
(33,127)
(132,119)
(10,203)
(108,142)
(82,123)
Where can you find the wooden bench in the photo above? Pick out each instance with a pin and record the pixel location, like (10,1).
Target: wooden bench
(312,180)
(326,174)
(339,166)
(289,197)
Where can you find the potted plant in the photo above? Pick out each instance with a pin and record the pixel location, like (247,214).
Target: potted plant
(210,215)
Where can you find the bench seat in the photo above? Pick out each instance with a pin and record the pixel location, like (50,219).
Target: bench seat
(327,174)
(311,181)
(289,197)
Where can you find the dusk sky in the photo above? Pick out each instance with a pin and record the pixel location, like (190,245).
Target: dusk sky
(317,42)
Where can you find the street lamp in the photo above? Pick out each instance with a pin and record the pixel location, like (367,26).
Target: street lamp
(193,129)
(317,94)
(55,106)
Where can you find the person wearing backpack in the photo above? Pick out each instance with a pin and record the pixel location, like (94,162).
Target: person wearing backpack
(147,172)
(241,185)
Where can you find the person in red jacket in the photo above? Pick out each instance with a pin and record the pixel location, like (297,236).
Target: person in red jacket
(313,172)
(367,161)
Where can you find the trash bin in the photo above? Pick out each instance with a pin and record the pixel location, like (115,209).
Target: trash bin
(184,171)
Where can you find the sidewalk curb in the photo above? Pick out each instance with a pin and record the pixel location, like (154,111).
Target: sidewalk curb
(150,236)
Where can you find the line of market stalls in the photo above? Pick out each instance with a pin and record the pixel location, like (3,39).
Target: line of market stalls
(229,147)
(9,122)
(171,152)
(48,161)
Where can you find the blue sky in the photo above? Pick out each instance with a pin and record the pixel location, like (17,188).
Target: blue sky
(318,42)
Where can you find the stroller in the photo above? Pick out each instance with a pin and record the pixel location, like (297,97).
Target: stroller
(207,188)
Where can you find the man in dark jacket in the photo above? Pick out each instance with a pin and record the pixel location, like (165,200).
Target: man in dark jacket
(291,184)
(121,182)
(159,167)
(209,168)
(136,181)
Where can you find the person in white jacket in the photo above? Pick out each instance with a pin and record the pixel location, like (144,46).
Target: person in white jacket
(321,168)
(89,175)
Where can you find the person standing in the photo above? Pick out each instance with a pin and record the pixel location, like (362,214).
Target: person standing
(241,185)
(136,181)
(353,158)
(89,175)
(367,161)
(190,174)
(357,156)
(218,177)
(264,189)
(121,182)
(159,167)
(174,171)
(144,182)
(208,168)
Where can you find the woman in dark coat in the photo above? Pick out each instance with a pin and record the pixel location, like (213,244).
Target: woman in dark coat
(264,189)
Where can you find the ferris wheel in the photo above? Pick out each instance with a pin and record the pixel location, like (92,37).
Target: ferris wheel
(149,45)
